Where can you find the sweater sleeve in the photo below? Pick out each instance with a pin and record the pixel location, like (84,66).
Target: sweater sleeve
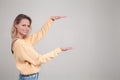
(28,54)
(34,38)
(49,56)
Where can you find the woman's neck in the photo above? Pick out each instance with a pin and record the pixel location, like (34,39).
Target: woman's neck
(20,36)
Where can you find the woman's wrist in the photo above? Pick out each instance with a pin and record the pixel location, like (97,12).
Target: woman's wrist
(52,19)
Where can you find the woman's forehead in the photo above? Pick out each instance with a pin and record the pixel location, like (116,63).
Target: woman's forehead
(25,21)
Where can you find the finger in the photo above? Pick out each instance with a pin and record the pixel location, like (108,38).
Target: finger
(63,16)
(70,48)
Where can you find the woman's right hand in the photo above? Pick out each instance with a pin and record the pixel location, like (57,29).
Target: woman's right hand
(66,49)
(57,17)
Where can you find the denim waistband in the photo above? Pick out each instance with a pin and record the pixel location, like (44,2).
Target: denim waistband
(29,74)
(33,76)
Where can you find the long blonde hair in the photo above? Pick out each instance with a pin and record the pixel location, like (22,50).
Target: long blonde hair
(17,21)
(14,30)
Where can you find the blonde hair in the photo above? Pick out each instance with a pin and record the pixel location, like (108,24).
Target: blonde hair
(17,21)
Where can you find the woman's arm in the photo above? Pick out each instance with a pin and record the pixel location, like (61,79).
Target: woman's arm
(24,53)
(49,56)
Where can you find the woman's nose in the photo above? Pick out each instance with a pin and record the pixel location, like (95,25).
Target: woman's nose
(27,28)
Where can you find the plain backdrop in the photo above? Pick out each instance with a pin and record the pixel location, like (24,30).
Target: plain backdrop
(92,28)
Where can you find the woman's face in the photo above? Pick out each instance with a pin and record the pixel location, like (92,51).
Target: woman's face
(23,27)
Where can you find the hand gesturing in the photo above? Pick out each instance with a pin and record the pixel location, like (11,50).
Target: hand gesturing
(57,17)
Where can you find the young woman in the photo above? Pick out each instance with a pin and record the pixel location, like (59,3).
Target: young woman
(28,61)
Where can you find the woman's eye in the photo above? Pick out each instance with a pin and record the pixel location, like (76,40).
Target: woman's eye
(29,26)
(24,25)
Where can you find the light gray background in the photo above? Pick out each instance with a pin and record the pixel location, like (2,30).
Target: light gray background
(92,28)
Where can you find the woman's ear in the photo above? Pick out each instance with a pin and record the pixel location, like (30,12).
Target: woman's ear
(16,26)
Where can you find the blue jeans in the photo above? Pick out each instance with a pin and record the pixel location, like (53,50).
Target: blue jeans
(29,77)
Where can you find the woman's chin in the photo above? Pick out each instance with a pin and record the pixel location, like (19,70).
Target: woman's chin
(25,34)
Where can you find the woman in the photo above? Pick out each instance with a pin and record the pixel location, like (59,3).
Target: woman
(28,61)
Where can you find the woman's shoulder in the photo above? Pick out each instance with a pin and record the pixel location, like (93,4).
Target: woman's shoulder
(19,41)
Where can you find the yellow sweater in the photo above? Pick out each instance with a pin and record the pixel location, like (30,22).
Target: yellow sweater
(28,61)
